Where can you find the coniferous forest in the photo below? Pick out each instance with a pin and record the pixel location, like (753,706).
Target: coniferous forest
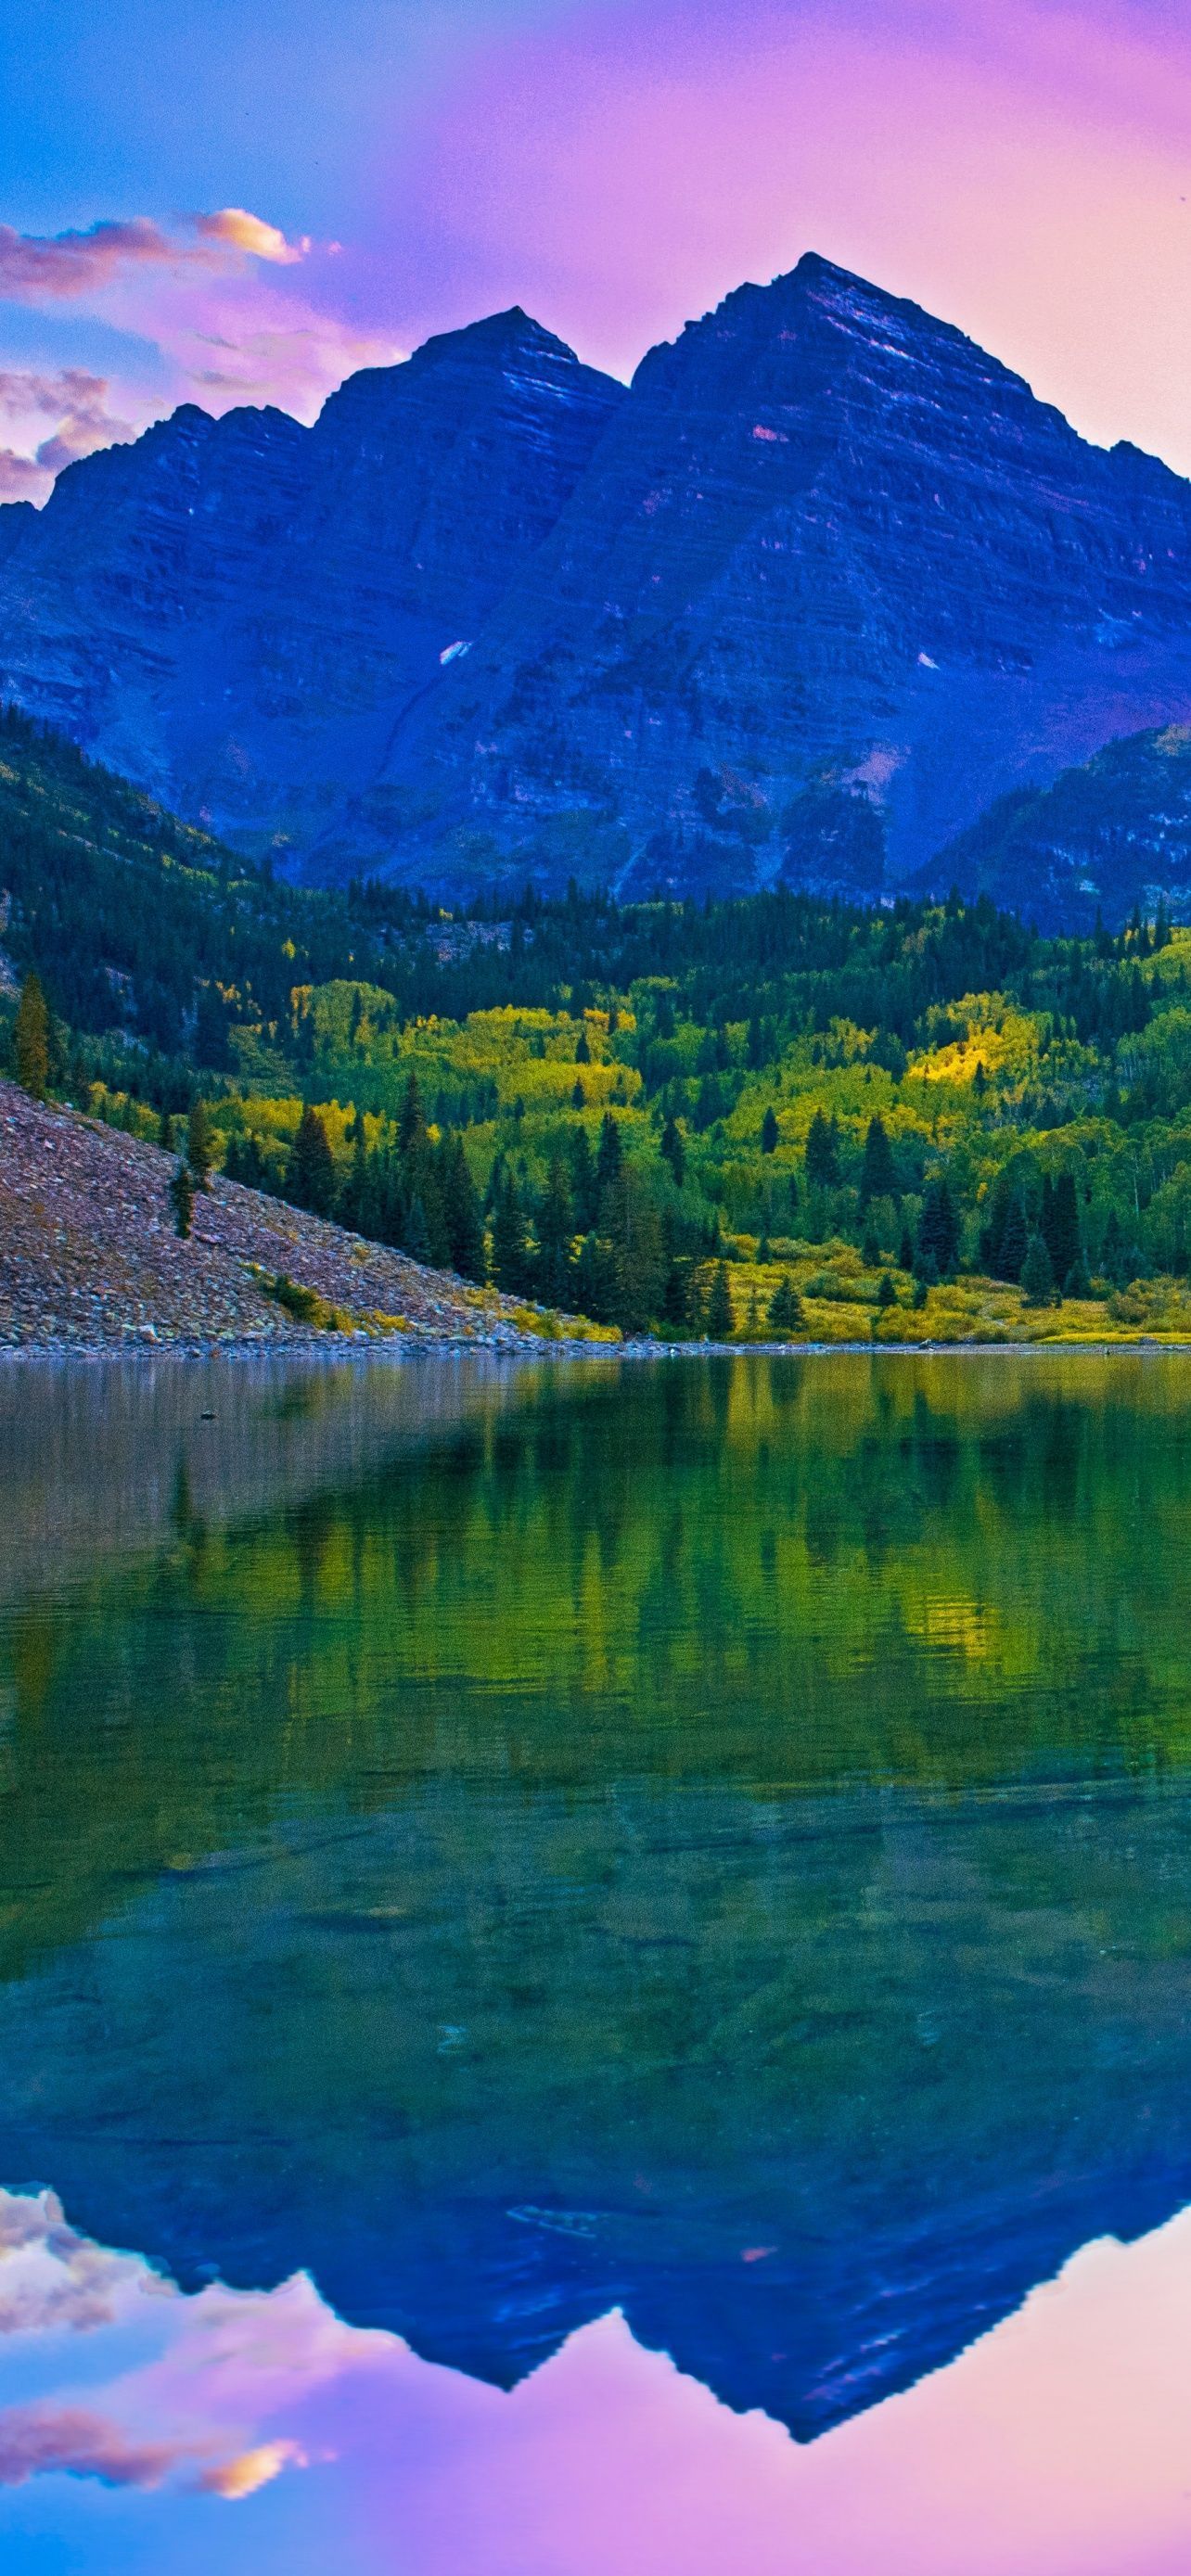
(774,1115)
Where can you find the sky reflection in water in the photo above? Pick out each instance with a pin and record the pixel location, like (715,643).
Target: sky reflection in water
(663,1893)
(136,2416)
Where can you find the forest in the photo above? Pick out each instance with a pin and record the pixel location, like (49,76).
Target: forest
(771,1117)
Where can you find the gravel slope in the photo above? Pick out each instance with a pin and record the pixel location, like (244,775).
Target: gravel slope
(89,1259)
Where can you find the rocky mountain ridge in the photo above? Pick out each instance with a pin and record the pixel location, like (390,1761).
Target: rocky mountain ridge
(798,606)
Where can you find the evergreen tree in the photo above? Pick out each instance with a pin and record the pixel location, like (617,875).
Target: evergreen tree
(821,1158)
(200,1145)
(720,1319)
(1015,1236)
(555,1232)
(769,1131)
(165,1132)
(312,1165)
(1059,1223)
(673,1151)
(582,1050)
(905,1250)
(608,1157)
(886,1292)
(462,1214)
(31,1039)
(634,1230)
(785,1307)
(878,1178)
(938,1228)
(510,1249)
(417,1235)
(1077,1282)
(584,1185)
(182,1199)
(1037,1276)
(411,1124)
(676,1296)
(870,1248)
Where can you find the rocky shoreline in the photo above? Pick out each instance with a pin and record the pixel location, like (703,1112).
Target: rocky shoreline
(90,1263)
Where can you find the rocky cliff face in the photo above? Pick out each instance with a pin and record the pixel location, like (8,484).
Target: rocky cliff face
(236,613)
(826,581)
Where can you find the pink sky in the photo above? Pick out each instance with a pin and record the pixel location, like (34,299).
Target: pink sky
(241,2429)
(1023,169)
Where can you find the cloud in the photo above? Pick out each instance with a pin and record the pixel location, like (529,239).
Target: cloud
(76,402)
(233,224)
(35,267)
(21,478)
(35,2440)
(50,2276)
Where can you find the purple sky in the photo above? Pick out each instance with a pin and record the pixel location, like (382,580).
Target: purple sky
(258,195)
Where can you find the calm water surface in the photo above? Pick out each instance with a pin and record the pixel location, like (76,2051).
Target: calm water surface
(599,1937)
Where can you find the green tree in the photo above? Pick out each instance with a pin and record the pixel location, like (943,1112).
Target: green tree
(770,1131)
(1037,1276)
(31,1039)
(673,1151)
(200,1145)
(878,1177)
(635,1232)
(182,1199)
(821,1155)
(608,1156)
(938,1227)
(510,1245)
(555,1231)
(411,1123)
(312,1165)
(462,1215)
(886,1292)
(785,1307)
(721,1322)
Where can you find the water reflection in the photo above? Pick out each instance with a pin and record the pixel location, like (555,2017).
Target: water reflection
(705,1841)
(1056,2444)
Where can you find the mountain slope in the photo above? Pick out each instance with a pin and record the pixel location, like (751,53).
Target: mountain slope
(833,577)
(1111,834)
(234,612)
(825,582)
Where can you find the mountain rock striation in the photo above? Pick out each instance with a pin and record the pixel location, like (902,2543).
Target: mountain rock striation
(821,585)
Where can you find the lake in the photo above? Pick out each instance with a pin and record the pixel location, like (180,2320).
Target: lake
(596,1966)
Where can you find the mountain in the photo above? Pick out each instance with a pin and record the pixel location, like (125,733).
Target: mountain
(821,585)
(235,612)
(1110,835)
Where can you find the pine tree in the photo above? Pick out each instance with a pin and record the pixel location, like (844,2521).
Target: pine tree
(822,1152)
(582,1049)
(769,1131)
(165,1132)
(31,1039)
(720,1319)
(608,1156)
(312,1165)
(785,1307)
(1015,1236)
(510,1253)
(878,1178)
(1037,1276)
(200,1145)
(905,1250)
(462,1215)
(886,1292)
(584,1190)
(417,1234)
(673,1151)
(411,1124)
(182,1199)
(634,1230)
(1077,1282)
(1059,1224)
(555,1230)
(938,1228)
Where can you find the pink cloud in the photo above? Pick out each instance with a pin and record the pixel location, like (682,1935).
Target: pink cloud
(21,478)
(35,267)
(35,2440)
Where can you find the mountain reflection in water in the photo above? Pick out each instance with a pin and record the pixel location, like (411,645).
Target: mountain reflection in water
(707,1840)
(132,2418)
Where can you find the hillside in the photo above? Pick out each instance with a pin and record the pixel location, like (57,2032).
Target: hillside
(796,608)
(1109,836)
(776,1117)
(89,1259)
